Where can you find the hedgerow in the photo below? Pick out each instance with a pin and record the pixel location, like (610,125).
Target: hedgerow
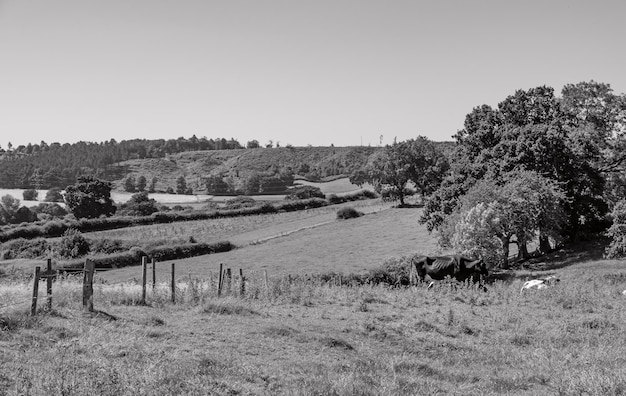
(56,228)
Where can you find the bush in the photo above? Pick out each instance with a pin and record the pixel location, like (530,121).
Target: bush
(305,192)
(54,195)
(25,248)
(348,213)
(73,244)
(30,195)
(52,209)
(240,202)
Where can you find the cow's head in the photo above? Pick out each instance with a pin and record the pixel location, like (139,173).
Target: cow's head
(477,267)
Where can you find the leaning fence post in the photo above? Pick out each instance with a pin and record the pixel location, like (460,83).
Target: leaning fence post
(219,282)
(49,284)
(173,284)
(33,304)
(88,285)
(144,264)
(267,289)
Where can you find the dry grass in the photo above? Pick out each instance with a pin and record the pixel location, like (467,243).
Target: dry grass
(307,338)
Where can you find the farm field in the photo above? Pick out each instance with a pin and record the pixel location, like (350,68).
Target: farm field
(307,242)
(318,339)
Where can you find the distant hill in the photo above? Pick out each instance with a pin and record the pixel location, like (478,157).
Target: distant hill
(43,166)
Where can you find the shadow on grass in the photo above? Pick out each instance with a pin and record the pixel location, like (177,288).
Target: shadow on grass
(566,256)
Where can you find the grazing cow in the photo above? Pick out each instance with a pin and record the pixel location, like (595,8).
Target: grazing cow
(456,267)
(541,283)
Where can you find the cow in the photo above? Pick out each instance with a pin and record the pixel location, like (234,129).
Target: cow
(456,267)
(539,284)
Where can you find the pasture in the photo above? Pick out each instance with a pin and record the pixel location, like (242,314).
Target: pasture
(313,338)
(301,336)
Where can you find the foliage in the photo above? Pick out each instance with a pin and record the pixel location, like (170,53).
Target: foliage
(139,204)
(141,183)
(25,248)
(240,202)
(52,209)
(348,213)
(181,185)
(415,162)
(54,195)
(129,184)
(304,192)
(8,209)
(216,185)
(89,198)
(30,195)
(617,232)
(525,206)
(73,244)
(570,140)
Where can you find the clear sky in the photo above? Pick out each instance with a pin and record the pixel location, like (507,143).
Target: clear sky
(299,72)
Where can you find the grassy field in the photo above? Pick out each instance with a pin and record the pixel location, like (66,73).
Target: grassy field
(310,242)
(309,338)
(303,336)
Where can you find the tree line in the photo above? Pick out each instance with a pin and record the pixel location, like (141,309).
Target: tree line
(43,166)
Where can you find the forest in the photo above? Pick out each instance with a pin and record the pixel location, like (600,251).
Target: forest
(44,166)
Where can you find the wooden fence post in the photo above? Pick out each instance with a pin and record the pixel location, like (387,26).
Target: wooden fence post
(229,277)
(144,264)
(242,285)
(88,285)
(49,284)
(219,282)
(173,284)
(33,304)
(267,289)
(153,273)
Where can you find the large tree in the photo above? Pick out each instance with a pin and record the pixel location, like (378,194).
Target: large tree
(89,198)
(415,163)
(533,130)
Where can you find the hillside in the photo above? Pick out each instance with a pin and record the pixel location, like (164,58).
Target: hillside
(310,162)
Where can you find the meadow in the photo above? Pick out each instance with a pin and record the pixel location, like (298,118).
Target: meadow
(303,333)
(315,338)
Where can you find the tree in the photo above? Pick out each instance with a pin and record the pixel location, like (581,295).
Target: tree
(89,198)
(216,185)
(415,161)
(152,187)
(140,204)
(524,206)
(141,183)
(617,232)
(54,195)
(253,144)
(129,184)
(8,209)
(30,195)
(181,185)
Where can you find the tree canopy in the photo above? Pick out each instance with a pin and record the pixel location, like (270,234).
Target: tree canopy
(89,198)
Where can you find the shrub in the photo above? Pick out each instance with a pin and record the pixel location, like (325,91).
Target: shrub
(394,272)
(73,244)
(348,213)
(52,209)
(30,195)
(54,195)
(25,248)
(240,202)
(305,192)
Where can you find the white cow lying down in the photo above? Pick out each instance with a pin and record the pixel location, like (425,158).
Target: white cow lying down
(540,283)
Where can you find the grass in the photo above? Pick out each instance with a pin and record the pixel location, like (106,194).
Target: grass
(304,337)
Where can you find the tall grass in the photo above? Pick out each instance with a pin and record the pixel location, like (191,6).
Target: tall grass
(305,335)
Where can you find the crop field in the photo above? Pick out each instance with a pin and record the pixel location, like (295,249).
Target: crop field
(314,338)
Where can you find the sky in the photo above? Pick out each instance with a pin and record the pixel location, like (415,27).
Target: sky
(318,72)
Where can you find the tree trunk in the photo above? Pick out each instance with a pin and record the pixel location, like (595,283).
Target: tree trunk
(505,248)
(522,251)
(544,243)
